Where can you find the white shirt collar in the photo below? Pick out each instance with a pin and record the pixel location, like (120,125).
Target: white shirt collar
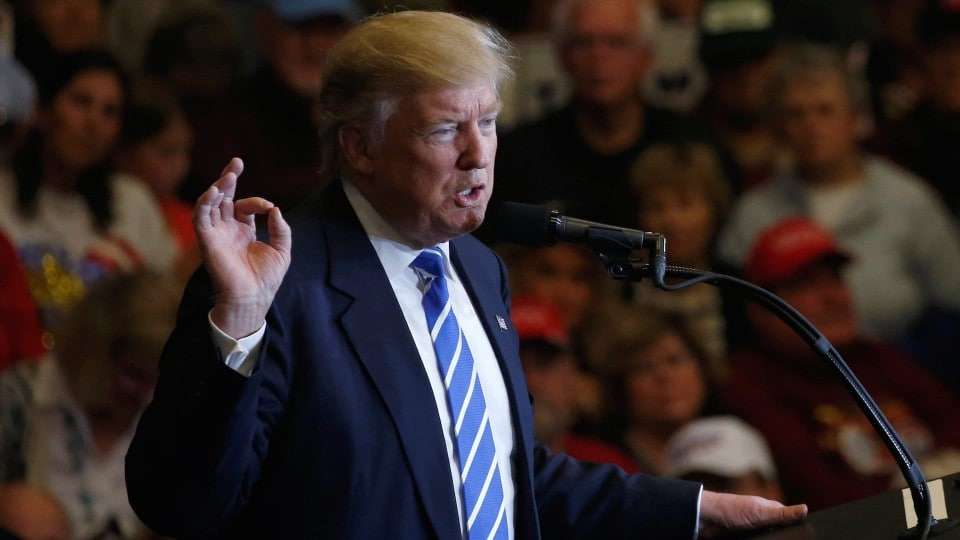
(394,254)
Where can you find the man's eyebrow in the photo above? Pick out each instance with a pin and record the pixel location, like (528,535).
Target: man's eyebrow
(449,117)
(496,108)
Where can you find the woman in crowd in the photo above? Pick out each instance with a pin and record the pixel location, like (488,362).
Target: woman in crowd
(72,219)
(656,380)
(682,193)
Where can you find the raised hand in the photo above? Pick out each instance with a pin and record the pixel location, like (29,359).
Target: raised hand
(725,512)
(246,272)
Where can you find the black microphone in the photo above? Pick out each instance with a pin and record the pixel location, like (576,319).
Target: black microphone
(538,226)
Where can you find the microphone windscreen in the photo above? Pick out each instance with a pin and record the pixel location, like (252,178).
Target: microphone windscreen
(520,223)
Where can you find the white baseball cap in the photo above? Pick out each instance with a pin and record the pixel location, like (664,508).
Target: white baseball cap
(721,445)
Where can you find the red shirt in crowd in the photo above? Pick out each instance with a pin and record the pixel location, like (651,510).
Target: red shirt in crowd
(826,451)
(595,451)
(20,334)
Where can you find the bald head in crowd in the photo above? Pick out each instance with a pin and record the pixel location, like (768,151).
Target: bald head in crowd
(605,47)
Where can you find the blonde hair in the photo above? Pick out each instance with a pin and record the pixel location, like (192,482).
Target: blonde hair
(391,56)
(682,167)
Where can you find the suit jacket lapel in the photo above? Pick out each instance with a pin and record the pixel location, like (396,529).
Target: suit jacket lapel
(375,326)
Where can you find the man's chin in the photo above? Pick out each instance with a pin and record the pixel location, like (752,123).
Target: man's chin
(469,221)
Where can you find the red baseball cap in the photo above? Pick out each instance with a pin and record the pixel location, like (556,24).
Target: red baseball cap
(782,251)
(539,320)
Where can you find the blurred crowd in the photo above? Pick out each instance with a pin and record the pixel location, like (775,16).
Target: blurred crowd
(809,146)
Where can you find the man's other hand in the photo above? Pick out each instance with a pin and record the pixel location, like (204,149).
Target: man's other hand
(724,512)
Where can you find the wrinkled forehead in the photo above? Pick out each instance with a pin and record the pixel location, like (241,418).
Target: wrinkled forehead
(612,18)
(450,103)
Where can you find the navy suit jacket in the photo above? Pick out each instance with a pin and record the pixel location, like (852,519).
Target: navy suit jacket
(336,433)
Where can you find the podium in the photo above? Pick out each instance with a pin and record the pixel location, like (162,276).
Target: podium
(880,517)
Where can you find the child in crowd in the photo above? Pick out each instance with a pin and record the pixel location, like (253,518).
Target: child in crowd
(66,421)
(155,147)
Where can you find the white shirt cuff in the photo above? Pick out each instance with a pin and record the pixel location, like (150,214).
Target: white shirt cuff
(696,529)
(240,355)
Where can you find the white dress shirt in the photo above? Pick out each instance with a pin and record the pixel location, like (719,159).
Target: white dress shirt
(395,257)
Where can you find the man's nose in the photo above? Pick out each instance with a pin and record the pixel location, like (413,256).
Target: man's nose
(477,150)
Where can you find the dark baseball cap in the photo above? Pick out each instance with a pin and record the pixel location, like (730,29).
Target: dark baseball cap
(298,11)
(735,32)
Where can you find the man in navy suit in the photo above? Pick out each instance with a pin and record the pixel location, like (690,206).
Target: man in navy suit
(365,382)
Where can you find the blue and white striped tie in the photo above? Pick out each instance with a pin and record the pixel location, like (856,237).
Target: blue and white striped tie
(473,438)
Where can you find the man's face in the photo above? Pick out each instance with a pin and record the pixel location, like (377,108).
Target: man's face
(819,122)
(297,51)
(685,217)
(553,386)
(821,295)
(562,275)
(666,385)
(431,176)
(742,90)
(70,25)
(603,52)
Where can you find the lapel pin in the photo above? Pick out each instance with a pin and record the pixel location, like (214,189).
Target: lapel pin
(501,322)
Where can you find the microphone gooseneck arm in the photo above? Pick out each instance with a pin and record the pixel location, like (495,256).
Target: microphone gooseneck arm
(908,465)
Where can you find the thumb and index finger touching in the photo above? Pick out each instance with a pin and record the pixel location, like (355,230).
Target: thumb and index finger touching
(281,237)
(218,204)
(227,186)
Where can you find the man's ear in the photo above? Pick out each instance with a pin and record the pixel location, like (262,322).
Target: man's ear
(356,147)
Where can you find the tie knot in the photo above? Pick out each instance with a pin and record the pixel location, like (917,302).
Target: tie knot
(430,261)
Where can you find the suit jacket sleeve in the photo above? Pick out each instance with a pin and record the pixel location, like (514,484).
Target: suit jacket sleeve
(199,446)
(587,500)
